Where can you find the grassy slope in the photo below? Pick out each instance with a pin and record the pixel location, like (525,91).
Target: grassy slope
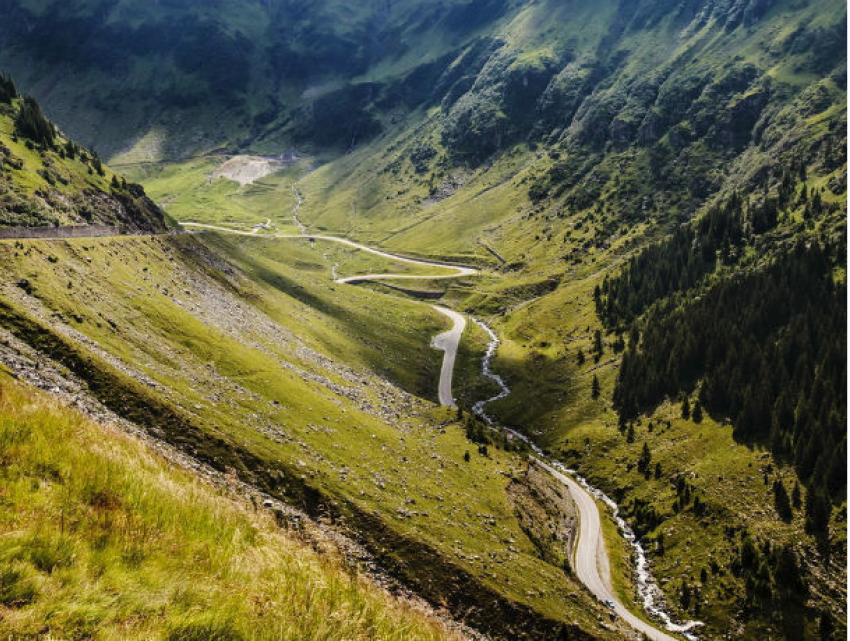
(41,186)
(101,538)
(186,189)
(27,179)
(374,192)
(28,171)
(369,446)
(375,195)
(546,336)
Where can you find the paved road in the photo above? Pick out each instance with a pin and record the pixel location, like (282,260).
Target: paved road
(590,558)
(453,271)
(448,342)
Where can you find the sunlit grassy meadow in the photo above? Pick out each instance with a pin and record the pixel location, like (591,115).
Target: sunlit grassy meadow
(102,538)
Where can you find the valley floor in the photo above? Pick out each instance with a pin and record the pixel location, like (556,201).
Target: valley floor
(246,387)
(48,302)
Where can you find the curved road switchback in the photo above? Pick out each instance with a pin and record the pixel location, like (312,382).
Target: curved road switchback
(454,271)
(448,342)
(590,557)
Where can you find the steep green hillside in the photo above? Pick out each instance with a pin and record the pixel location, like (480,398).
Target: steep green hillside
(103,539)
(166,79)
(566,119)
(620,128)
(244,354)
(47,179)
(744,111)
(655,191)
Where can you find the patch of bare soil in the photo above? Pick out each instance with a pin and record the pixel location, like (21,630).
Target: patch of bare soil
(248,169)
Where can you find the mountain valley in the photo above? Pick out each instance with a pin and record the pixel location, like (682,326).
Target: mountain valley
(638,207)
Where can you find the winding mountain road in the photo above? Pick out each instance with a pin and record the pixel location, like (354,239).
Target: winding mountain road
(454,271)
(448,342)
(590,557)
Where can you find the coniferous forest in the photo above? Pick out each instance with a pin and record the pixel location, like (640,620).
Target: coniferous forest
(335,319)
(761,344)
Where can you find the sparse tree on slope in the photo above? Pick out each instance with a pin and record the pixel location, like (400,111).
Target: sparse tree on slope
(31,123)
(7,89)
(781,501)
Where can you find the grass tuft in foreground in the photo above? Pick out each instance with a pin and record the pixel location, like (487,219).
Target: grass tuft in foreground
(101,538)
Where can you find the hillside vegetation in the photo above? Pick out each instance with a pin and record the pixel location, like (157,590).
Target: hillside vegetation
(240,352)
(47,179)
(103,538)
(742,130)
(655,192)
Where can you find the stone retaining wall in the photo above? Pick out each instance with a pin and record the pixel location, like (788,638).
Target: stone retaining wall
(70,231)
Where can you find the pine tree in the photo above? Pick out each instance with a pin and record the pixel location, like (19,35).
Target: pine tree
(817,513)
(597,345)
(685,596)
(699,506)
(796,499)
(32,124)
(7,89)
(787,575)
(594,388)
(696,414)
(817,204)
(749,554)
(466,456)
(781,501)
(826,626)
(686,408)
(645,460)
(98,165)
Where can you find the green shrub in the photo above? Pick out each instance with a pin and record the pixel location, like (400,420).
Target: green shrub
(15,590)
